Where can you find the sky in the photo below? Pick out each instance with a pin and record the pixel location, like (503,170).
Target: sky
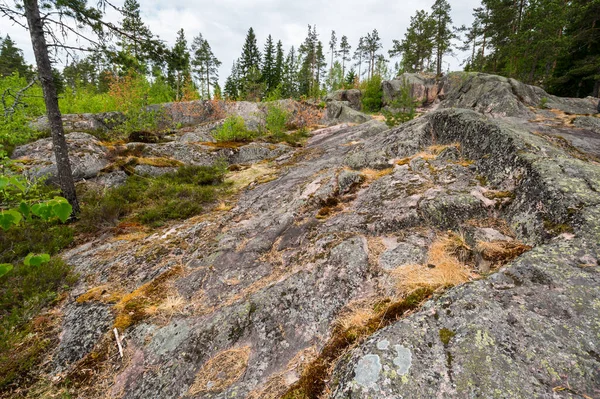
(225,23)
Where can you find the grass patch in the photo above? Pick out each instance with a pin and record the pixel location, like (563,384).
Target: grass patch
(500,252)
(25,336)
(153,201)
(221,371)
(446,266)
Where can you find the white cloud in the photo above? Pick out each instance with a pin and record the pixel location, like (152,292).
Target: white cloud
(224,23)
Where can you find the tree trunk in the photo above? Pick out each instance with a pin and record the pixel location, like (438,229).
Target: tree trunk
(59,144)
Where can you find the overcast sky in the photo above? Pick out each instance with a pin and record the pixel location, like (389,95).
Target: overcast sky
(224,23)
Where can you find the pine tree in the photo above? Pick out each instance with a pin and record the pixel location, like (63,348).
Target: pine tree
(440,12)
(320,69)
(268,66)
(205,65)
(179,64)
(372,44)
(359,54)
(11,59)
(332,49)
(345,53)
(351,79)
(417,46)
(308,66)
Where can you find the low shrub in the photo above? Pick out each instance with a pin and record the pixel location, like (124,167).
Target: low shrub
(233,129)
(153,201)
(372,94)
(276,120)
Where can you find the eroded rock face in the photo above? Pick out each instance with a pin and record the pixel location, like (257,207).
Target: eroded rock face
(326,230)
(87,155)
(492,95)
(352,96)
(342,112)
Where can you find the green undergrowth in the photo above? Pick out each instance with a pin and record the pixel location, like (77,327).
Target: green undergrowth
(153,200)
(25,335)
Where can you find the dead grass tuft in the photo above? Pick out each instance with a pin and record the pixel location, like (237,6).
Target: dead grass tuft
(445,266)
(221,371)
(371,175)
(499,252)
(348,332)
(143,302)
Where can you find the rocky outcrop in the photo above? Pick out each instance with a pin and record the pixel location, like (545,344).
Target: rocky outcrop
(341,112)
(353,96)
(425,89)
(87,155)
(250,301)
(488,94)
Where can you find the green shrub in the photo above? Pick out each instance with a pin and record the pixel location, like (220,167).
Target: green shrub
(153,201)
(276,120)
(233,129)
(543,102)
(372,94)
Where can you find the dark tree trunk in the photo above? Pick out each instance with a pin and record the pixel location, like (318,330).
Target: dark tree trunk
(59,144)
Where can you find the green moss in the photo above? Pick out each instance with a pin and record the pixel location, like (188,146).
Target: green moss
(24,335)
(446,335)
(555,228)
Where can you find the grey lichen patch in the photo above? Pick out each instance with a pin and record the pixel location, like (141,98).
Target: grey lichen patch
(403,359)
(383,345)
(367,370)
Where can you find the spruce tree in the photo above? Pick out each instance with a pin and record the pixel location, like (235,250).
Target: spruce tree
(359,55)
(232,83)
(289,83)
(249,66)
(308,66)
(11,59)
(268,66)
(135,50)
(279,61)
(179,64)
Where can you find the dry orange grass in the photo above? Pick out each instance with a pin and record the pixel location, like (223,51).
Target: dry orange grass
(501,251)
(357,315)
(372,174)
(445,266)
(221,371)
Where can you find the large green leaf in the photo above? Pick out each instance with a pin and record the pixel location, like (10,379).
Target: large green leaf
(5,268)
(3,182)
(62,208)
(15,181)
(9,218)
(43,210)
(25,209)
(36,260)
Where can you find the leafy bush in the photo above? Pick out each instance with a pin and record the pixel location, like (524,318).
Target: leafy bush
(372,94)
(84,99)
(19,107)
(153,201)
(402,109)
(233,129)
(276,120)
